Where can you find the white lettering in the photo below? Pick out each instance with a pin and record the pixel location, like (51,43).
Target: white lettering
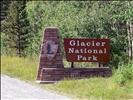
(103,43)
(81,50)
(82,44)
(97,44)
(94,58)
(79,57)
(100,51)
(89,58)
(104,50)
(88,44)
(72,43)
(71,50)
(94,51)
(93,43)
(76,51)
(85,50)
(89,51)
(84,58)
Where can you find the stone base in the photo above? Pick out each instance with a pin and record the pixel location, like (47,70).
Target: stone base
(56,74)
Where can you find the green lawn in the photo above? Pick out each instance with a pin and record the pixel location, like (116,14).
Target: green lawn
(91,89)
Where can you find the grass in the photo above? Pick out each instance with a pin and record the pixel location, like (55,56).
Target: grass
(21,68)
(94,89)
(90,89)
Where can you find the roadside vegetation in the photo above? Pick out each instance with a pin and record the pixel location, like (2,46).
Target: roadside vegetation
(25,69)
(22,29)
(21,37)
(117,87)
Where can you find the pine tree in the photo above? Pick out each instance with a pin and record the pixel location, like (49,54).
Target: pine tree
(15,27)
(4,7)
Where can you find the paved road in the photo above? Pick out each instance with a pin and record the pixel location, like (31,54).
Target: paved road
(14,89)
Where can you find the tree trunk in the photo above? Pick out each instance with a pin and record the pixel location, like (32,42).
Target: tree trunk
(131,39)
(19,46)
(129,32)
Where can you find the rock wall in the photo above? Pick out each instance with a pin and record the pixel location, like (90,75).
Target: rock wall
(56,74)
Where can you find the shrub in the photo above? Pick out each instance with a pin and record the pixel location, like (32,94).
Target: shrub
(124,73)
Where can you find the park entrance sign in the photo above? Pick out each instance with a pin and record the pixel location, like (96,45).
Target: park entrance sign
(51,68)
(87,50)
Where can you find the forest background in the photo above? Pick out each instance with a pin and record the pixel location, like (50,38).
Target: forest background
(22,29)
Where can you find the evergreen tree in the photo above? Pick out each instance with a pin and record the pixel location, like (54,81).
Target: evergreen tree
(4,7)
(15,27)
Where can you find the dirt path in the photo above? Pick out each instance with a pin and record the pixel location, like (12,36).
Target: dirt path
(14,89)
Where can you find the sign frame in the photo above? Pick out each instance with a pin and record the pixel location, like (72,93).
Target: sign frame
(87,50)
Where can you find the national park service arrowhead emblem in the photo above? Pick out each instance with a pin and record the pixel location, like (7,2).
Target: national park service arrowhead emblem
(50,49)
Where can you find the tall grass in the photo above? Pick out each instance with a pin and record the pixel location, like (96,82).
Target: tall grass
(94,89)
(124,73)
(21,68)
(117,87)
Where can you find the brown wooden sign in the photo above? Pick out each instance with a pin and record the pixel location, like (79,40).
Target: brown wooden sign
(87,50)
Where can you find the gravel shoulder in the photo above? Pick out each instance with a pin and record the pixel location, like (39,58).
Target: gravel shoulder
(15,89)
